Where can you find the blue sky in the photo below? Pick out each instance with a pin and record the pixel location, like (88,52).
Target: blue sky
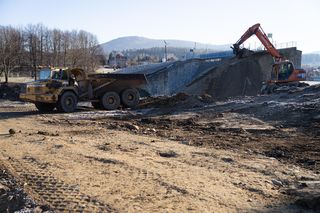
(207,21)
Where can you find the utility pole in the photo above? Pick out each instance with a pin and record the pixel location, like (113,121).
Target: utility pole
(194,48)
(165,50)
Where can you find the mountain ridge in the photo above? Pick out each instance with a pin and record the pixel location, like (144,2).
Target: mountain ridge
(139,42)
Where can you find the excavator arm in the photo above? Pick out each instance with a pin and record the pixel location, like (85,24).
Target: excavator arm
(258,31)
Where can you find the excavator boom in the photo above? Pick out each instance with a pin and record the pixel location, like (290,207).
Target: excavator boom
(258,31)
(283,71)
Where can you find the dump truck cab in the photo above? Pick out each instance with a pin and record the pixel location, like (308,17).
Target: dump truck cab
(64,88)
(46,92)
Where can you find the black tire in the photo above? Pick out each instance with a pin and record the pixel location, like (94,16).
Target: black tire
(45,107)
(67,102)
(110,101)
(130,98)
(96,105)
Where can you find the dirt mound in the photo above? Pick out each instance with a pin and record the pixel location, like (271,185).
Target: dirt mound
(181,101)
(234,77)
(10,91)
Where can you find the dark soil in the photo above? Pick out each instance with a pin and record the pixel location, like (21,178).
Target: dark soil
(10,91)
(13,198)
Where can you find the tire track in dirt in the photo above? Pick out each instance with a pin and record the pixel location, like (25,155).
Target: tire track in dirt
(57,194)
(139,175)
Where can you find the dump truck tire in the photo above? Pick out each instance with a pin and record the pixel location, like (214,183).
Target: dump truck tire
(45,107)
(110,101)
(96,105)
(130,97)
(67,102)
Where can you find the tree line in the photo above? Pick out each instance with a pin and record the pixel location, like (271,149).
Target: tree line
(36,45)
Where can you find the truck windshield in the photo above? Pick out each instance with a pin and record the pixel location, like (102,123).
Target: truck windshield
(45,74)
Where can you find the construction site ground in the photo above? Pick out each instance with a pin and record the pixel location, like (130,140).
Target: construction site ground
(186,153)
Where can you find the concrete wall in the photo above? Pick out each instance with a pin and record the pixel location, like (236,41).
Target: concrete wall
(293,55)
(175,78)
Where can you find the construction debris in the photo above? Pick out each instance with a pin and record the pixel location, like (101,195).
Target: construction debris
(203,142)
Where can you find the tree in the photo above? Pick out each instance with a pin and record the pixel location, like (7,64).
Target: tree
(36,45)
(10,49)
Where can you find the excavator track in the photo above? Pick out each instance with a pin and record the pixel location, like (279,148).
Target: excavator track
(278,87)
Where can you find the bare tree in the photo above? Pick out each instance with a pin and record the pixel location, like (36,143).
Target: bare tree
(10,49)
(36,45)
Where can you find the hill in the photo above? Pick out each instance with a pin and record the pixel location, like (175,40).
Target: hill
(136,42)
(311,59)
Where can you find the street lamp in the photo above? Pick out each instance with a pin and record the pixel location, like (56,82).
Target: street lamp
(165,50)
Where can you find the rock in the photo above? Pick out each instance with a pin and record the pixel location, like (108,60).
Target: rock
(185,142)
(47,133)
(168,154)
(132,127)
(277,182)
(227,159)
(58,146)
(12,131)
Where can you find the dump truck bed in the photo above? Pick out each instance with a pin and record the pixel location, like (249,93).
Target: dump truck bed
(117,76)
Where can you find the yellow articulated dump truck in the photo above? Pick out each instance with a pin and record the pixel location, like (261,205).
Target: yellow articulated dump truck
(64,88)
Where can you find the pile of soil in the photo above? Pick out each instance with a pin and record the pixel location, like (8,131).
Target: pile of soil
(180,100)
(234,77)
(10,91)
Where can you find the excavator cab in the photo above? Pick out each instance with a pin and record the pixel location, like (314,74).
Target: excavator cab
(283,72)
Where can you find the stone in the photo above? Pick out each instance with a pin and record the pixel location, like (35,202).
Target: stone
(12,131)
(132,127)
(277,182)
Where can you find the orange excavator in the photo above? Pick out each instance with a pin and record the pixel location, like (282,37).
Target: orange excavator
(283,71)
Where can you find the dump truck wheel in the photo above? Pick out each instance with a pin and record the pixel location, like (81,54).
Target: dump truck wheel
(110,101)
(130,98)
(67,102)
(96,105)
(45,107)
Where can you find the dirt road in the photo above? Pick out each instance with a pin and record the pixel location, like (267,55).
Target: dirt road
(96,161)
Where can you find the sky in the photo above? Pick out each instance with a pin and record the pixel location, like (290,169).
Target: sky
(205,21)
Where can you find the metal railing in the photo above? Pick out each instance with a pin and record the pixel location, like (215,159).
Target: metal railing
(281,45)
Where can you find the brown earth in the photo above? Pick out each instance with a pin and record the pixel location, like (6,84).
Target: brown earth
(254,154)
